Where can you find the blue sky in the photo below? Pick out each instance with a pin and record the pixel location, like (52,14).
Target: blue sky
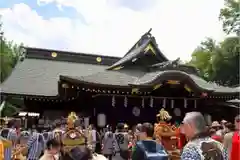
(47,11)
(111,27)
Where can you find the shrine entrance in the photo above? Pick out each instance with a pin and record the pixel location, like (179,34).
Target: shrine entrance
(132,109)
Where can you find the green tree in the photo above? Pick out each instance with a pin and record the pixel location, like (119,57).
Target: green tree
(226,62)
(202,57)
(218,62)
(9,55)
(230,16)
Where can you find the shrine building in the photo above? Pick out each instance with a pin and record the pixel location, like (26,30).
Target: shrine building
(131,89)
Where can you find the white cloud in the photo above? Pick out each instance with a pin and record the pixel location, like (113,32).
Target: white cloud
(179,26)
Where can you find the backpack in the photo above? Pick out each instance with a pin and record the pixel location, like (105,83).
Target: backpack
(5,133)
(152,150)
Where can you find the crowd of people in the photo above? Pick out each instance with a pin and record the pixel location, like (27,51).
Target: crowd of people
(220,141)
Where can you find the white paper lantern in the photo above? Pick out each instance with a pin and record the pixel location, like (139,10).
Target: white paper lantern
(177,112)
(101,120)
(136,111)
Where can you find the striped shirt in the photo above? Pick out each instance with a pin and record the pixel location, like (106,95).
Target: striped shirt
(47,136)
(35,146)
(11,135)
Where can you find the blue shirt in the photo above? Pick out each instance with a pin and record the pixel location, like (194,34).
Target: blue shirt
(35,146)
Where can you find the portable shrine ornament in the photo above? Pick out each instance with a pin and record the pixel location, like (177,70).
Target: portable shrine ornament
(164,132)
(163,115)
(72,137)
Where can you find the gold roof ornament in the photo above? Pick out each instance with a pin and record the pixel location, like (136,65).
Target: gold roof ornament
(163,115)
(54,54)
(72,117)
(99,59)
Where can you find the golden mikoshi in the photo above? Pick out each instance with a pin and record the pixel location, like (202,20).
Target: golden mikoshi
(72,117)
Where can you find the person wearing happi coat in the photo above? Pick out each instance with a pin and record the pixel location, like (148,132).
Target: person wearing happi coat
(107,144)
(121,141)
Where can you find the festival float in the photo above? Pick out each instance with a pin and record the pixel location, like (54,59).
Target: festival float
(167,134)
(73,137)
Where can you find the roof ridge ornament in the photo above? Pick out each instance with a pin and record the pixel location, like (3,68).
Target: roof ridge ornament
(173,63)
(148,33)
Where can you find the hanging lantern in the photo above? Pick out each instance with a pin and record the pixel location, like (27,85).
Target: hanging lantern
(113,101)
(185,103)
(164,102)
(125,101)
(143,102)
(151,102)
(94,111)
(172,103)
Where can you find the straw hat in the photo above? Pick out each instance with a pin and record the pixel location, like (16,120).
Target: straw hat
(215,124)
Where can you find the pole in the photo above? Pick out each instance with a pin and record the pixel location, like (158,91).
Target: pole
(1,107)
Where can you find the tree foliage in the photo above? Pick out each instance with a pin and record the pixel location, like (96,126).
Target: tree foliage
(9,56)
(10,53)
(218,62)
(230,16)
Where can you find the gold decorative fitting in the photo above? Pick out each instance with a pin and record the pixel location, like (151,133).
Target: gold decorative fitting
(157,86)
(99,59)
(54,54)
(149,48)
(135,90)
(173,82)
(187,88)
(117,68)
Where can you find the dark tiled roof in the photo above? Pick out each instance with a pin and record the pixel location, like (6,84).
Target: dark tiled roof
(40,77)
(151,78)
(137,53)
(125,78)
(108,78)
(38,74)
(133,54)
(174,65)
(66,56)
